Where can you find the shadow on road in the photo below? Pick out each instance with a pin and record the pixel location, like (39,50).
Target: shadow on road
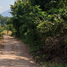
(14,53)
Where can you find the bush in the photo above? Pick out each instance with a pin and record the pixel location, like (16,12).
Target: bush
(44,31)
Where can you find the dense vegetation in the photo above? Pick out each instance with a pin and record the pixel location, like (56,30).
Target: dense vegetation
(43,25)
(3,25)
(3,20)
(1,29)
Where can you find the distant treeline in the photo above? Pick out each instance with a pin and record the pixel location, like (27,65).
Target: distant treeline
(3,20)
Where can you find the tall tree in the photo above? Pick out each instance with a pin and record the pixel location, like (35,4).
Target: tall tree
(48,4)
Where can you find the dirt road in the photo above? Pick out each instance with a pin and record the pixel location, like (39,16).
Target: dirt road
(14,53)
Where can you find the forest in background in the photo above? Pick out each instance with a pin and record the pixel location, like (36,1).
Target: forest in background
(42,24)
(3,20)
(3,24)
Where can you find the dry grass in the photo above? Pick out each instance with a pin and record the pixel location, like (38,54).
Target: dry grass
(7,32)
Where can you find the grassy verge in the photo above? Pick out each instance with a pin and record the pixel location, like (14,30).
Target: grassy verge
(46,64)
(56,65)
(39,57)
(7,32)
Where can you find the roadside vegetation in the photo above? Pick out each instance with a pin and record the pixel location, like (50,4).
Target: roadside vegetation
(1,29)
(3,26)
(42,24)
(3,20)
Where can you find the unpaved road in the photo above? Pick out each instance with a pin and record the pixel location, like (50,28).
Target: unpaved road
(14,53)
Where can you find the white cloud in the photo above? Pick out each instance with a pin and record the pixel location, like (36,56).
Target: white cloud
(0,7)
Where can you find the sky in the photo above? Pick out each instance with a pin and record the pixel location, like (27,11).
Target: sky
(5,5)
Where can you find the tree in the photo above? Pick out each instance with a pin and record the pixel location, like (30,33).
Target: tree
(49,4)
(3,20)
(41,26)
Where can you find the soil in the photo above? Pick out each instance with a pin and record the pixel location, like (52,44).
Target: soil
(14,53)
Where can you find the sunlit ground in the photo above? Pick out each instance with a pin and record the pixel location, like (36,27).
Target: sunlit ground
(14,53)
(7,32)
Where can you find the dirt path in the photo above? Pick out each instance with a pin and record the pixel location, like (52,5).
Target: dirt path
(13,53)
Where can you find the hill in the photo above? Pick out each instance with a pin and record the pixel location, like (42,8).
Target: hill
(6,13)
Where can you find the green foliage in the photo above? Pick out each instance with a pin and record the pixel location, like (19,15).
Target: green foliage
(56,65)
(3,20)
(1,29)
(49,4)
(23,29)
(65,40)
(42,30)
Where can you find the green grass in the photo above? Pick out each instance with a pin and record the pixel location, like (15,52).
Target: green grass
(54,65)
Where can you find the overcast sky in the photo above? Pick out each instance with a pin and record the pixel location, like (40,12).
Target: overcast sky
(5,5)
